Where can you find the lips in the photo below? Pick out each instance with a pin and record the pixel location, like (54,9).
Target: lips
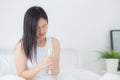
(41,34)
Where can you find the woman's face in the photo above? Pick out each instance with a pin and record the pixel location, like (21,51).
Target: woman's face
(42,28)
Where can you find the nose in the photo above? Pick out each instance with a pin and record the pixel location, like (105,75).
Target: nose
(41,30)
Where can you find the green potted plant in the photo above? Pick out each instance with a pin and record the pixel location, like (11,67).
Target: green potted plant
(111,58)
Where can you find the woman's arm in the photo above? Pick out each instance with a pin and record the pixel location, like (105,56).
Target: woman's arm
(21,64)
(56,54)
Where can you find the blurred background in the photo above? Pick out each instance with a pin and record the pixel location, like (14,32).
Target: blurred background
(80,24)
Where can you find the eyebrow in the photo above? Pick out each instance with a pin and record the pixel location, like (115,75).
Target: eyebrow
(42,25)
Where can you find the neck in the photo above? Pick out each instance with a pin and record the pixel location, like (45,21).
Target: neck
(41,40)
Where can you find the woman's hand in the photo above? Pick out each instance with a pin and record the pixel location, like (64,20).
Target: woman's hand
(53,65)
(48,62)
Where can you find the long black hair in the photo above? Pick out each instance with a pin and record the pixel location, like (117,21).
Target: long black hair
(31,18)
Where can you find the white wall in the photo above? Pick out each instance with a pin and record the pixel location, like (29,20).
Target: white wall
(82,24)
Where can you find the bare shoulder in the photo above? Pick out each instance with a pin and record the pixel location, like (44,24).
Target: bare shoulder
(18,44)
(55,41)
(19,48)
(56,45)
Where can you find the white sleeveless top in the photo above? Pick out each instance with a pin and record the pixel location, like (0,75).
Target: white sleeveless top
(42,52)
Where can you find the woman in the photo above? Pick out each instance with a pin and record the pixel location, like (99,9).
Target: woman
(31,52)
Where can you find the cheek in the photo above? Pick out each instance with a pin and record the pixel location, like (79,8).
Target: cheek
(37,34)
(46,29)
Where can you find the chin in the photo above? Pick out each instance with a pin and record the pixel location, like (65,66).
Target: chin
(42,36)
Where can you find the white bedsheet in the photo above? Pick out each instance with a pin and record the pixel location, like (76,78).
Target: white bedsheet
(110,76)
(79,74)
(11,77)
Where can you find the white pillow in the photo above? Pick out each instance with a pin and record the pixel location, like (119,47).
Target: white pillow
(70,74)
(11,77)
(69,58)
(7,64)
(110,76)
